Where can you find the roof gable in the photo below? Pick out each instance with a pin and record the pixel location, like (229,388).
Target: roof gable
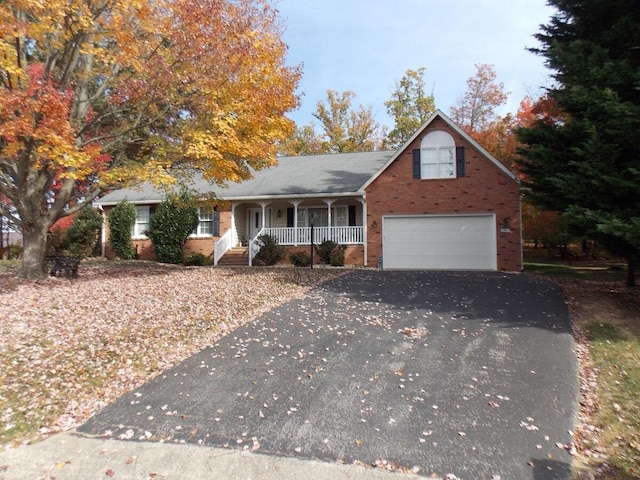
(450,123)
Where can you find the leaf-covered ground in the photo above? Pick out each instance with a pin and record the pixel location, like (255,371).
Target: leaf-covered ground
(69,347)
(606,321)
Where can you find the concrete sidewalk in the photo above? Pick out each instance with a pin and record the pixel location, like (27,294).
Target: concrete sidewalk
(75,457)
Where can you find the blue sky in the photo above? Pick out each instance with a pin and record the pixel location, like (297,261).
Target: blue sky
(367,45)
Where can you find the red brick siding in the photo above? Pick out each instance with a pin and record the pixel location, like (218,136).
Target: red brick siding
(484,189)
(144,247)
(353,255)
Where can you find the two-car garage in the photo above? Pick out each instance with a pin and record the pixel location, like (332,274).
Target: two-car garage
(439,242)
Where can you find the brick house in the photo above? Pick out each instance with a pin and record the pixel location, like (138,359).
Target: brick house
(439,202)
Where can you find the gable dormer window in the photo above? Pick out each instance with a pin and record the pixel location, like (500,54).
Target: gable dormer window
(437,155)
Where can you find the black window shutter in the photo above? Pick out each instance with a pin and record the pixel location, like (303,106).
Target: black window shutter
(352,215)
(152,211)
(290,218)
(216,224)
(460,161)
(416,163)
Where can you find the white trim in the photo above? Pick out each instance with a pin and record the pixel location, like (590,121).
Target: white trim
(256,199)
(493,239)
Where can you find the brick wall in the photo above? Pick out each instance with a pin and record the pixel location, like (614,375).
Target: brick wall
(353,255)
(484,189)
(144,247)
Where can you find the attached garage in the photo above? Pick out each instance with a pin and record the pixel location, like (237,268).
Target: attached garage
(439,242)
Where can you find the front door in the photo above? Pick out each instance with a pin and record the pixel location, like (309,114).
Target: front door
(255,222)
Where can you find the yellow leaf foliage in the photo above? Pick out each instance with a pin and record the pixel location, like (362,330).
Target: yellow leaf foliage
(114,92)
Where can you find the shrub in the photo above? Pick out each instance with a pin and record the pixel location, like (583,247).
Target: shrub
(15,251)
(56,236)
(271,252)
(300,259)
(324,250)
(55,242)
(82,235)
(196,259)
(175,219)
(121,220)
(337,256)
(331,253)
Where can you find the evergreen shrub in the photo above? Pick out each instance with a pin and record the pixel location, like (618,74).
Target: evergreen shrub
(300,259)
(121,220)
(270,253)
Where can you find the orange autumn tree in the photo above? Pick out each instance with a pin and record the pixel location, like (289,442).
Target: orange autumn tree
(100,94)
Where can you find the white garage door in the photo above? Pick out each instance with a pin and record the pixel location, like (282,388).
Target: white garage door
(446,242)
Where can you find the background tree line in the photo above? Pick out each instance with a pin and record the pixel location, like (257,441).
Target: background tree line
(100,95)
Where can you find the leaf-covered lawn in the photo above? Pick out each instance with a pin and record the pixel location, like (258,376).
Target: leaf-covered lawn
(606,320)
(69,347)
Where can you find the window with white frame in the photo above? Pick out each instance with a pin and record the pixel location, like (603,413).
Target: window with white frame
(207,222)
(340,217)
(141,226)
(437,155)
(320,216)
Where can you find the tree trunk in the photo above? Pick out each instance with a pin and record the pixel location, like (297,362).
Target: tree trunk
(632,263)
(34,241)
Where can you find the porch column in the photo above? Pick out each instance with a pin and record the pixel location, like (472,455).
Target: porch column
(264,214)
(295,204)
(363,201)
(329,202)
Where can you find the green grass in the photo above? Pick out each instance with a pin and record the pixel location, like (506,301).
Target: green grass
(609,314)
(9,265)
(616,356)
(613,272)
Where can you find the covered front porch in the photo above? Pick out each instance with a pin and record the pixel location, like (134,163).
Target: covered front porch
(295,222)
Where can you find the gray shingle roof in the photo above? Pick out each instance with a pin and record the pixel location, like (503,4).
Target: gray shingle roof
(330,174)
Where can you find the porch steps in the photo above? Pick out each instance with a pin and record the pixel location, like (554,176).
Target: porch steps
(236,257)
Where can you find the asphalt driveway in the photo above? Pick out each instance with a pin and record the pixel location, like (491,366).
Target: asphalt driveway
(464,373)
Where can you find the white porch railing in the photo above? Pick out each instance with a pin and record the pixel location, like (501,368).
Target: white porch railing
(254,247)
(302,235)
(221,246)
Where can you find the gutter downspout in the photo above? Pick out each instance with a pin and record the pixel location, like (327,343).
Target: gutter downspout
(365,227)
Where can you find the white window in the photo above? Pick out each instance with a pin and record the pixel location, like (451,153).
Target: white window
(205,221)
(320,216)
(143,215)
(437,155)
(340,217)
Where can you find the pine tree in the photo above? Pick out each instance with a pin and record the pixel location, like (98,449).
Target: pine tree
(582,155)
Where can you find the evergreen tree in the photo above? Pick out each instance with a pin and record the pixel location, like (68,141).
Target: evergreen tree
(174,221)
(582,155)
(122,218)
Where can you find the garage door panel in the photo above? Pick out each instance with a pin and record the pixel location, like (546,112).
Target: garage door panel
(456,242)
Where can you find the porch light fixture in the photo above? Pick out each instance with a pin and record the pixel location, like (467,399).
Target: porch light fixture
(505,225)
(374,224)
(279,213)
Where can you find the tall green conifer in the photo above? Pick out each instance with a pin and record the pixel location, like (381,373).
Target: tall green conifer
(582,155)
